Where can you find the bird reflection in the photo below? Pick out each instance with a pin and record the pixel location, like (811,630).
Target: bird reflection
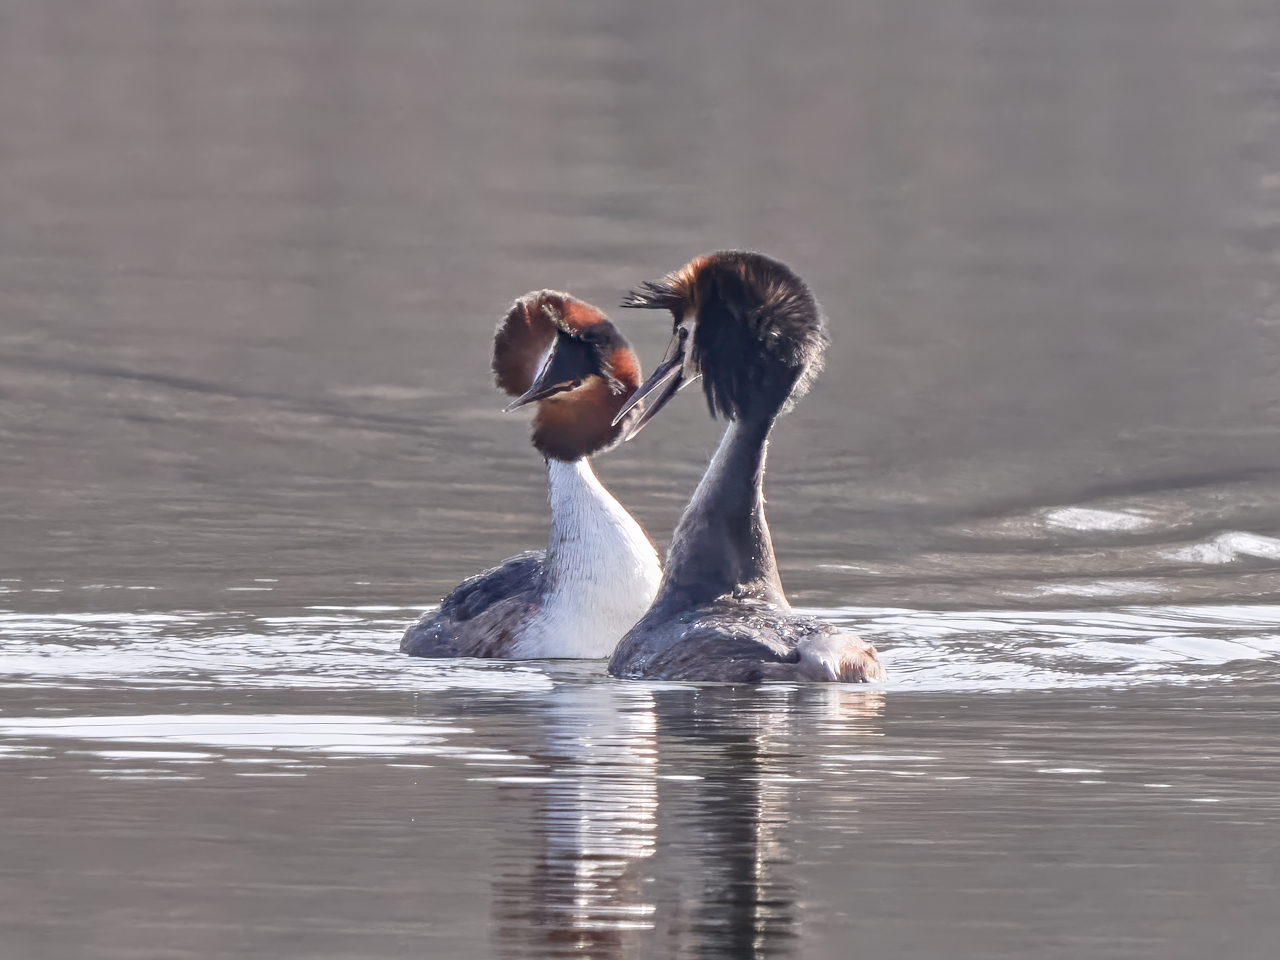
(661,822)
(595,823)
(731,894)
(731,888)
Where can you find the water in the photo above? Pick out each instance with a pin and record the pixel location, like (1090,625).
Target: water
(245,786)
(250,259)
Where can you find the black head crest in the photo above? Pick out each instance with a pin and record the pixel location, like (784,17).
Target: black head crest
(757,333)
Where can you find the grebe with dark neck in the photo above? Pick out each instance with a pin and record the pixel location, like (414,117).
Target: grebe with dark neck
(750,328)
(599,572)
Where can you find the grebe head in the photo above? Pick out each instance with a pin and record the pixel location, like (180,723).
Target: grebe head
(564,355)
(745,323)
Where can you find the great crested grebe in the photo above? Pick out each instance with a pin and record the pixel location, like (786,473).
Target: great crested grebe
(600,571)
(751,329)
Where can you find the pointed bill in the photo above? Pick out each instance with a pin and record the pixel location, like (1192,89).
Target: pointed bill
(663,384)
(538,391)
(566,364)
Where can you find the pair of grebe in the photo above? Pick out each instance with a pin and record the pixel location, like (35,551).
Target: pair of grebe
(750,328)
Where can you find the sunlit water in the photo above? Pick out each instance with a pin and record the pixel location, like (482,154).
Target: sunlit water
(349,648)
(251,254)
(205,765)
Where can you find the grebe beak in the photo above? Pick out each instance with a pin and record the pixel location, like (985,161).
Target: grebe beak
(537,392)
(567,363)
(663,384)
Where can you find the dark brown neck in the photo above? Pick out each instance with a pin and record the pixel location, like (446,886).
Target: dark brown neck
(721,544)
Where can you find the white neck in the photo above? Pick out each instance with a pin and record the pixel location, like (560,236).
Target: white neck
(602,571)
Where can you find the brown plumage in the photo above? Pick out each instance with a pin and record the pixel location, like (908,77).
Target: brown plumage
(594,371)
(523,336)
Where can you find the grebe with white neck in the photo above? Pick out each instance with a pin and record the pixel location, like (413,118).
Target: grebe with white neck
(600,572)
(750,328)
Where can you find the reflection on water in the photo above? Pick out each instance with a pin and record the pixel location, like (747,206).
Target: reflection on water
(730,808)
(701,777)
(239,739)
(581,816)
(600,779)
(595,822)
(734,882)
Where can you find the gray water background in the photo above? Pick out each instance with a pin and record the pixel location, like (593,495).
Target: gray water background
(251,255)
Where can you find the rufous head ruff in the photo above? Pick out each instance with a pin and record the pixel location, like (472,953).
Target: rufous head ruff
(567,357)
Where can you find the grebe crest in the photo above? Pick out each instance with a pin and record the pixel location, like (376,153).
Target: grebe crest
(565,355)
(746,324)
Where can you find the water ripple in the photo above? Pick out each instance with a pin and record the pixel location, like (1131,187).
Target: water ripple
(346,648)
(1010,650)
(199,650)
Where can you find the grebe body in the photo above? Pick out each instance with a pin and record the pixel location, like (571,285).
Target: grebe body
(600,571)
(749,327)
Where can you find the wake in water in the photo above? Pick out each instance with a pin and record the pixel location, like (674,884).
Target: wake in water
(356,648)
(1013,650)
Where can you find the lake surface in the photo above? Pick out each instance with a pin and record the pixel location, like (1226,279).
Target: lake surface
(251,256)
